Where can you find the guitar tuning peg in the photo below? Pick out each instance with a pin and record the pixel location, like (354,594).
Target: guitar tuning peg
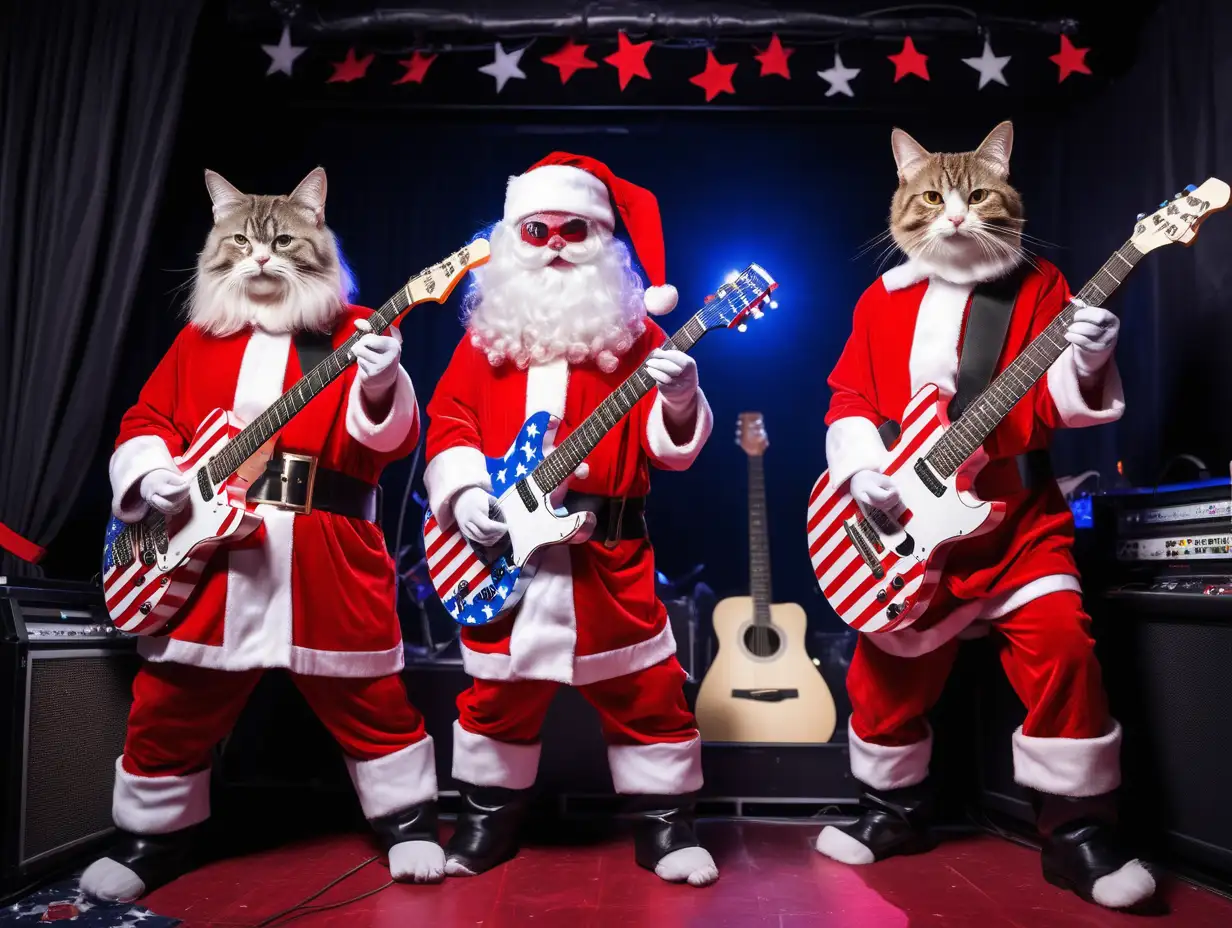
(1190,188)
(1141,216)
(1163,204)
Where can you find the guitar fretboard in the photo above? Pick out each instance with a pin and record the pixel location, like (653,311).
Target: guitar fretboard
(759,543)
(557,467)
(986,411)
(266,425)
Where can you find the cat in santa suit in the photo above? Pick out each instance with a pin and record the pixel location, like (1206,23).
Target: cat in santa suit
(556,321)
(309,593)
(959,221)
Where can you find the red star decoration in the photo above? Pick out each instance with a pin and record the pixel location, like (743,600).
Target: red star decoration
(774,58)
(416,68)
(570,58)
(909,61)
(629,59)
(1069,60)
(350,68)
(716,79)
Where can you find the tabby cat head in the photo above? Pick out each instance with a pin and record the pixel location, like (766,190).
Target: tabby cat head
(956,214)
(269,261)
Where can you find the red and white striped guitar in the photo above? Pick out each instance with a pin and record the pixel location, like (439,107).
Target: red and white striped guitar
(879,571)
(151,567)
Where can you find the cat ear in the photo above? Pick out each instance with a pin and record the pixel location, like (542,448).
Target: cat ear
(310,194)
(995,149)
(223,195)
(909,154)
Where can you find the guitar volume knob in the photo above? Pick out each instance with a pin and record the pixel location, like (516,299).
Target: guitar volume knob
(897,583)
(893,610)
(882,596)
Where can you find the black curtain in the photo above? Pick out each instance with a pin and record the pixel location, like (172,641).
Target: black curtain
(1165,124)
(89,97)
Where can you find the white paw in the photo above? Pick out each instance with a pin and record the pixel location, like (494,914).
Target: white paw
(110,881)
(1128,886)
(840,846)
(692,865)
(454,867)
(417,862)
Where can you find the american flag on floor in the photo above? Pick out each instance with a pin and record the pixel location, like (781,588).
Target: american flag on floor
(65,902)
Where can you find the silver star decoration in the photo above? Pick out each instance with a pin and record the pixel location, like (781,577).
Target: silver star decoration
(505,67)
(519,471)
(990,66)
(283,55)
(532,430)
(501,475)
(528,450)
(487,612)
(839,77)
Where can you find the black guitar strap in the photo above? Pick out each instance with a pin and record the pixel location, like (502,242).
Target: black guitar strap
(992,304)
(988,321)
(312,348)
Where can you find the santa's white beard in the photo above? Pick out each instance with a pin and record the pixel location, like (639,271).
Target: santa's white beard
(521,309)
(222,304)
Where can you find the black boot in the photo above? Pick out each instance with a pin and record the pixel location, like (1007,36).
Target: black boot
(414,823)
(156,859)
(662,824)
(487,830)
(1081,847)
(893,822)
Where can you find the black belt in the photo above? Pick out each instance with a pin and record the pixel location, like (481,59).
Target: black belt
(296,483)
(1034,469)
(616,518)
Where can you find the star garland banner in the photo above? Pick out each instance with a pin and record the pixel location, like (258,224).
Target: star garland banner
(1006,71)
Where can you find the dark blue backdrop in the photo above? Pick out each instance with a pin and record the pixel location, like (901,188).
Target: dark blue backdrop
(800,195)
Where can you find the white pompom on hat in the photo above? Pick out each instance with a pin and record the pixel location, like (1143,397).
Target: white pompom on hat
(583,186)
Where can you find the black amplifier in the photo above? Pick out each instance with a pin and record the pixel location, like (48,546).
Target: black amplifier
(65,691)
(1173,541)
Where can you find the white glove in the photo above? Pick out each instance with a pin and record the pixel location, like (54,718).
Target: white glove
(165,490)
(478,515)
(377,359)
(874,489)
(1093,333)
(676,374)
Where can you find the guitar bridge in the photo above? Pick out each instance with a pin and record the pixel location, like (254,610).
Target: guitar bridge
(865,549)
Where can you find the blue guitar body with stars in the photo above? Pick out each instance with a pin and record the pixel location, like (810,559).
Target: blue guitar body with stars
(480,585)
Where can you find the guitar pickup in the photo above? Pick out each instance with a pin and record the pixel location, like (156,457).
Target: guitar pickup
(865,549)
(766,695)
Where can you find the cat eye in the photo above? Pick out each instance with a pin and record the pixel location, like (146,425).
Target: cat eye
(932,198)
(282,241)
(978,196)
(239,239)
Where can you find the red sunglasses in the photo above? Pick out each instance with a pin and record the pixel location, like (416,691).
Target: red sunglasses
(539,233)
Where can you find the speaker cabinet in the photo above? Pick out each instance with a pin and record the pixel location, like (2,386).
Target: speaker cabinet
(1165,670)
(65,691)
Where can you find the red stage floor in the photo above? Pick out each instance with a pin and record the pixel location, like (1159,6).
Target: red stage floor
(771,878)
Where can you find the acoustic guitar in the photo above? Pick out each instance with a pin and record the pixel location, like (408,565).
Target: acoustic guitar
(762,687)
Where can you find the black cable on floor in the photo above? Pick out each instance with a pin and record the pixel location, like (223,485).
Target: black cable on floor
(302,907)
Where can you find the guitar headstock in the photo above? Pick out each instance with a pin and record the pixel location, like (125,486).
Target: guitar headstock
(1178,219)
(435,283)
(739,299)
(751,434)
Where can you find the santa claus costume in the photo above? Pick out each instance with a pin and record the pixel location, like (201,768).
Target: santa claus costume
(1019,583)
(557,320)
(311,592)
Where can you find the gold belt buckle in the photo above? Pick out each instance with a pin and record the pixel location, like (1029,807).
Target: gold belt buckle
(613,525)
(285,488)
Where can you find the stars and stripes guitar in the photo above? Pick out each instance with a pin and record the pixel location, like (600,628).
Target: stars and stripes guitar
(879,570)
(478,585)
(151,567)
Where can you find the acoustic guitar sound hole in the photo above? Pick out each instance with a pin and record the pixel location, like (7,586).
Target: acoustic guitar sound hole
(762,640)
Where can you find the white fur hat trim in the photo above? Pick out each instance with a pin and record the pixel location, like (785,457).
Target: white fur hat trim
(558,188)
(661,300)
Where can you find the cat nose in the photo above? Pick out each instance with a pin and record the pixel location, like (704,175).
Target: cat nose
(957,220)
(557,243)
(261,259)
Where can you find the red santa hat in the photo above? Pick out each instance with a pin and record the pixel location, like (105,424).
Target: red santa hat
(575,184)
